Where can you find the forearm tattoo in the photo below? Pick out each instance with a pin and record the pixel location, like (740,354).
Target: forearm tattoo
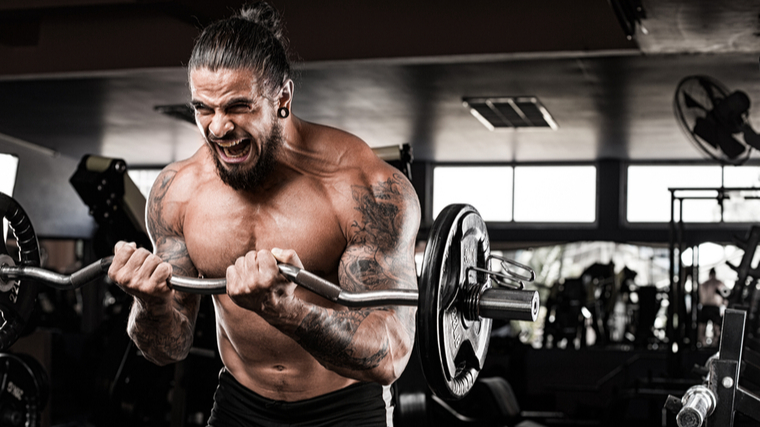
(377,257)
(158,344)
(335,347)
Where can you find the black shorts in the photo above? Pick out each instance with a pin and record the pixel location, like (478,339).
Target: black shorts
(361,404)
(709,312)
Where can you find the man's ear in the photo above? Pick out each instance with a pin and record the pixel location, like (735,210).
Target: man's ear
(286,94)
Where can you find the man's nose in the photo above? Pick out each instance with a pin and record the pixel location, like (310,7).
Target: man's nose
(220,125)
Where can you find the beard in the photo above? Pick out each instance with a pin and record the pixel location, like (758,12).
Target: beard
(240,177)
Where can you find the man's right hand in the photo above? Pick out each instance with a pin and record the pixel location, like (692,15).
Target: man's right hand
(141,274)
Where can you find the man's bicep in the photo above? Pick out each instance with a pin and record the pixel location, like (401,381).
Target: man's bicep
(380,250)
(164,225)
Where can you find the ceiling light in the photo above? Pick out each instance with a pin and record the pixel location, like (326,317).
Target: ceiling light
(510,112)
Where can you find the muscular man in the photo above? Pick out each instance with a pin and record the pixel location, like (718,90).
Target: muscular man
(267,187)
(710,304)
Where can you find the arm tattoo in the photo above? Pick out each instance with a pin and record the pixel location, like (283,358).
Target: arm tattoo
(150,329)
(167,241)
(376,257)
(335,347)
(162,347)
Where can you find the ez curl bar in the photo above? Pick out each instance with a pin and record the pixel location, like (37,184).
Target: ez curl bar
(456,302)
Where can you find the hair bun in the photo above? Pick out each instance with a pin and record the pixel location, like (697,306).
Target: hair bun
(263,14)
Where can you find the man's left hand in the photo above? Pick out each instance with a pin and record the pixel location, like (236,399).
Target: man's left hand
(255,283)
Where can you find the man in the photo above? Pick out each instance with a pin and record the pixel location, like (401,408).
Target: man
(710,304)
(268,187)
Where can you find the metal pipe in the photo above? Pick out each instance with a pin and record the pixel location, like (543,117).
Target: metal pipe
(50,278)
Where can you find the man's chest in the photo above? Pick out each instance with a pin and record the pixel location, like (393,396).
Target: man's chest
(216,235)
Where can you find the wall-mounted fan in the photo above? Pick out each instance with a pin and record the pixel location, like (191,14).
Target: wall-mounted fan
(715,119)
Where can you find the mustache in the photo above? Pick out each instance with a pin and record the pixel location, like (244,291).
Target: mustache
(226,138)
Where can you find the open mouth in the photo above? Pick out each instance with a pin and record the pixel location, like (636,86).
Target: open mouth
(234,151)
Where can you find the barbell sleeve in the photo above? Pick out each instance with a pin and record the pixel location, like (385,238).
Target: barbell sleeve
(698,404)
(502,303)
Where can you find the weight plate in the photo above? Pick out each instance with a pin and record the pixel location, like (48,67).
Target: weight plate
(17,303)
(454,348)
(25,390)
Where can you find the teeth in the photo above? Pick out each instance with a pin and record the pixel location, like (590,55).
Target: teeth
(229,144)
(230,150)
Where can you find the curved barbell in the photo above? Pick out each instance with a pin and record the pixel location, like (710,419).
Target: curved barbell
(493,302)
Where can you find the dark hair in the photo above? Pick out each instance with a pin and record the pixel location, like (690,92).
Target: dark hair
(252,39)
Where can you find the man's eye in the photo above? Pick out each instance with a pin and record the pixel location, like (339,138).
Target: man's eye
(240,108)
(199,109)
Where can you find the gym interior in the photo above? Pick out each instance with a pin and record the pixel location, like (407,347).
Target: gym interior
(607,145)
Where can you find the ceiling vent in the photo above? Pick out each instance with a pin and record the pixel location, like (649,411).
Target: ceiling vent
(510,112)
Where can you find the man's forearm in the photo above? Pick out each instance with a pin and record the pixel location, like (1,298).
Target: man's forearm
(164,335)
(366,344)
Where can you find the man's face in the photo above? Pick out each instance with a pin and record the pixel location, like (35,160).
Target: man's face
(239,124)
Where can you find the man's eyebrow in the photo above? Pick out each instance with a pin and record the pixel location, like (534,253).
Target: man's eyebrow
(239,100)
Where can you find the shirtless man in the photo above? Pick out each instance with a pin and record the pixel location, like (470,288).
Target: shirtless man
(267,187)
(711,305)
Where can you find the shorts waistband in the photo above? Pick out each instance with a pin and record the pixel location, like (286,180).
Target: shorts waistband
(349,399)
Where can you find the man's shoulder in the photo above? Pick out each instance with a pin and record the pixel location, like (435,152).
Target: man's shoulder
(183,175)
(353,161)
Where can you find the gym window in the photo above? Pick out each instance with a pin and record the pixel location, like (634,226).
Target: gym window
(555,194)
(487,188)
(649,198)
(8,168)
(144,179)
(520,193)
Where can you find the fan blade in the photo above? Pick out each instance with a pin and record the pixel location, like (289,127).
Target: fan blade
(708,87)
(706,130)
(751,137)
(731,110)
(692,103)
(731,146)
(714,135)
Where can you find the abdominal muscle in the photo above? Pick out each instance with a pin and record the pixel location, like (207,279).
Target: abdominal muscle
(267,361)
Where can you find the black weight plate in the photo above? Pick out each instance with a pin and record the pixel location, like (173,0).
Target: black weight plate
(17,303)
(25,390)
(452,348)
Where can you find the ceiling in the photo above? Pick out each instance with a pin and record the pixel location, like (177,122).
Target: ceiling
(84,77)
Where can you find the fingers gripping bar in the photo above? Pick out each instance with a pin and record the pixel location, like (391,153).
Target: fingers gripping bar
(495,303)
